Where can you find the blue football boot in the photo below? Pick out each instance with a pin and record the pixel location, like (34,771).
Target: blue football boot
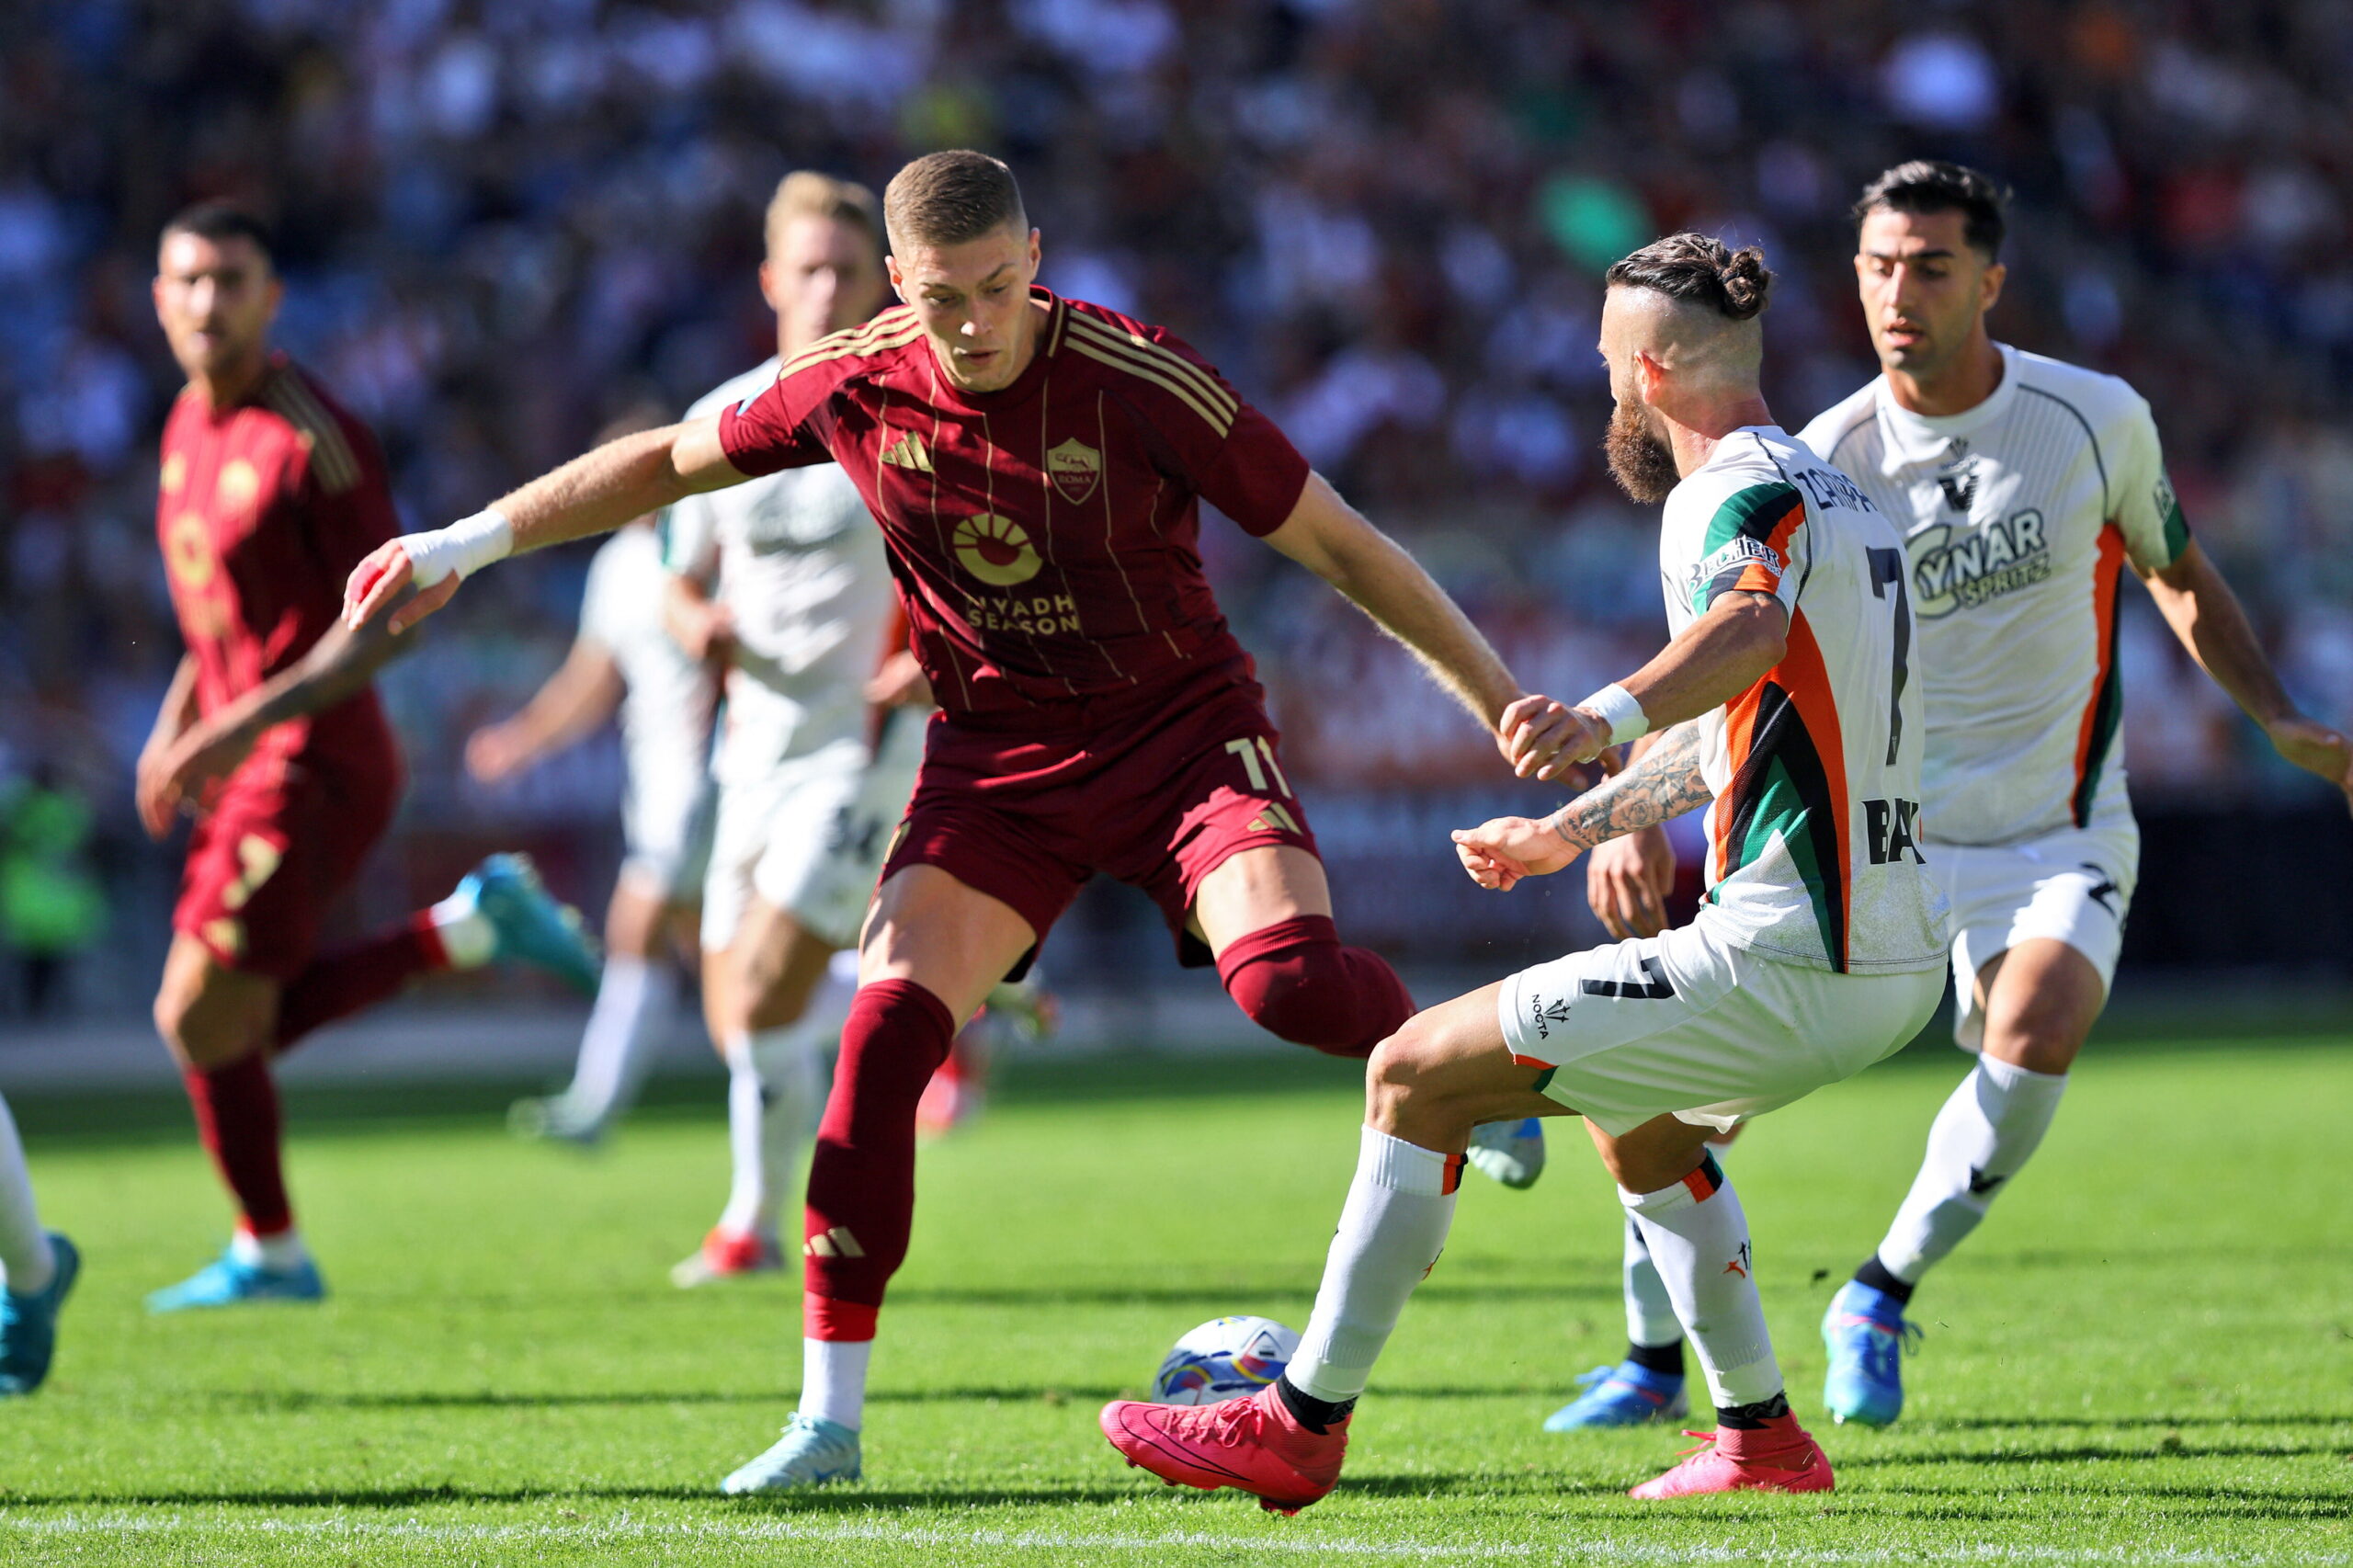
(228,1282)
(811,1453)
(531,925)
(1509,1152)
(1629,1394)
(29,1322)
(1866,1336)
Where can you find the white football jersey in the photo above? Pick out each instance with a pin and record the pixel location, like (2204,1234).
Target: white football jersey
(2017,516)
(800,560)
(666,712)
(1813,852)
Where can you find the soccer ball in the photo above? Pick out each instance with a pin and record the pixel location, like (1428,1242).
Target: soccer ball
(1224,1359)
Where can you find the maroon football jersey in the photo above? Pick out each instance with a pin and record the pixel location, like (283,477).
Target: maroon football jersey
(263,509)
(1044,538)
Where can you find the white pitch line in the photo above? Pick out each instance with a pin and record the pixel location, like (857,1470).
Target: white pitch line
(1596,1549)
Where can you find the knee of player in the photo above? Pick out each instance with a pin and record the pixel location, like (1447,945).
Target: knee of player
(1408,1066)
(2046,1044)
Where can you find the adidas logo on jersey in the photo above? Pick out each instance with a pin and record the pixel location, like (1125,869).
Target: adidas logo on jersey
(835,1242)
(909,452)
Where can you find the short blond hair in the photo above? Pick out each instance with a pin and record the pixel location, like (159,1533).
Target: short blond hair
(807,193)
(948,198)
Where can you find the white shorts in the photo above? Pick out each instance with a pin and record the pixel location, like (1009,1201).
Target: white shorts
(2073,886)
(665,820)
(811,838)
(1686,1024)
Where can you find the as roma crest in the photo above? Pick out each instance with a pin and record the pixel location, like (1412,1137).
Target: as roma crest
(1075,469)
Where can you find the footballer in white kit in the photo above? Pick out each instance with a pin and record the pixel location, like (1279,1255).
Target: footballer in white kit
(1787,705)
(623,661)
(786,580)
(2024,488)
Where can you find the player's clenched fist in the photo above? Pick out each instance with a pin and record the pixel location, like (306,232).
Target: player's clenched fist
(1545,739)
(1500,851)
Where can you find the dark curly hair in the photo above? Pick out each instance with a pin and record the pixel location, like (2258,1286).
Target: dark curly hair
(1700,269)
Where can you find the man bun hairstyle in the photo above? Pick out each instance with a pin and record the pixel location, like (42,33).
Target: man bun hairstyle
(219,220)
(807,194)
(947,199)
(1932,185)
(1699,269)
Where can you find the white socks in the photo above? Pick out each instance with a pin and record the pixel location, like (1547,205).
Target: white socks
(1651,1322)
(467,936)
(26,1261)
(1393,1226)
(1984,1136)
(833,1379)
(1699,1238)
(774,1086)
(278,1253)
(617,1048)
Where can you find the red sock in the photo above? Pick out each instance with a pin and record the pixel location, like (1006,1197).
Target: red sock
(237,1116)
(1295,979)
(343,982)
(862,1178)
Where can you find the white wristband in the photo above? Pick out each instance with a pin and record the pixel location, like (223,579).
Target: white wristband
(465,547)
(1615,707)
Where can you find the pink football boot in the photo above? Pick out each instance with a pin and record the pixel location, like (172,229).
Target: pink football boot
(1254,1445)
(1778,1456)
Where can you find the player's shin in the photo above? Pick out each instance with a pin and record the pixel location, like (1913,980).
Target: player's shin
(1984,1135)
(623,1036)
(27,1260)
(1653,1334)
(1699,1238)
(337,984)
(238,1120)
(774,1086)
(862,1177)
(1393,1226)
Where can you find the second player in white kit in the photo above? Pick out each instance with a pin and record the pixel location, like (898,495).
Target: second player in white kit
(785,577)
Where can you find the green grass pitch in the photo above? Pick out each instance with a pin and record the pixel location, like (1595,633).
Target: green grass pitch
(2146,1355)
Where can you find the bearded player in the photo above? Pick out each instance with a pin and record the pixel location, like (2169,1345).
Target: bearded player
(1786,707)
(272,738)
(2024,487)
(1037,465)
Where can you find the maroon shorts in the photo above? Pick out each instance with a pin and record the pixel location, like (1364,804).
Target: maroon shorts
(283,837)
(1158,797)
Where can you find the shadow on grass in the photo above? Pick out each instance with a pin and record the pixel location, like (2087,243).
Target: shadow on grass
(275,1401)
(2088,1453)
(2128,1423)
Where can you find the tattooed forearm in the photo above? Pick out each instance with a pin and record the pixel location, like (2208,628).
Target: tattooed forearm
(1662,782)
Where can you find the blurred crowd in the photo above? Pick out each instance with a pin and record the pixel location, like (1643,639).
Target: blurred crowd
(502,221)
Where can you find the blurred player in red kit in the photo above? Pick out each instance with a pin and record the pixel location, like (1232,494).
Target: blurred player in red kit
(271,737)
(1037,466)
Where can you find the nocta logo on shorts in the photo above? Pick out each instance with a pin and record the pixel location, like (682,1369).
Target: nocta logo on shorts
(996,550)
(1961,567)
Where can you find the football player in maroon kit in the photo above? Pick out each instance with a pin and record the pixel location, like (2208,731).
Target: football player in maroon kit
(272,738)
(1037,465)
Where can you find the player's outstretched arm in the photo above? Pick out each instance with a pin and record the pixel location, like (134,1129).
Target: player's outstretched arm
(585,691)
(339,663)
(1539,737)
(619,481)
(2206,615)
(1664,782)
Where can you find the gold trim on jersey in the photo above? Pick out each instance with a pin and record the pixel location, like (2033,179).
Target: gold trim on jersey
(322,435)
(1147,360)
(891,329)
